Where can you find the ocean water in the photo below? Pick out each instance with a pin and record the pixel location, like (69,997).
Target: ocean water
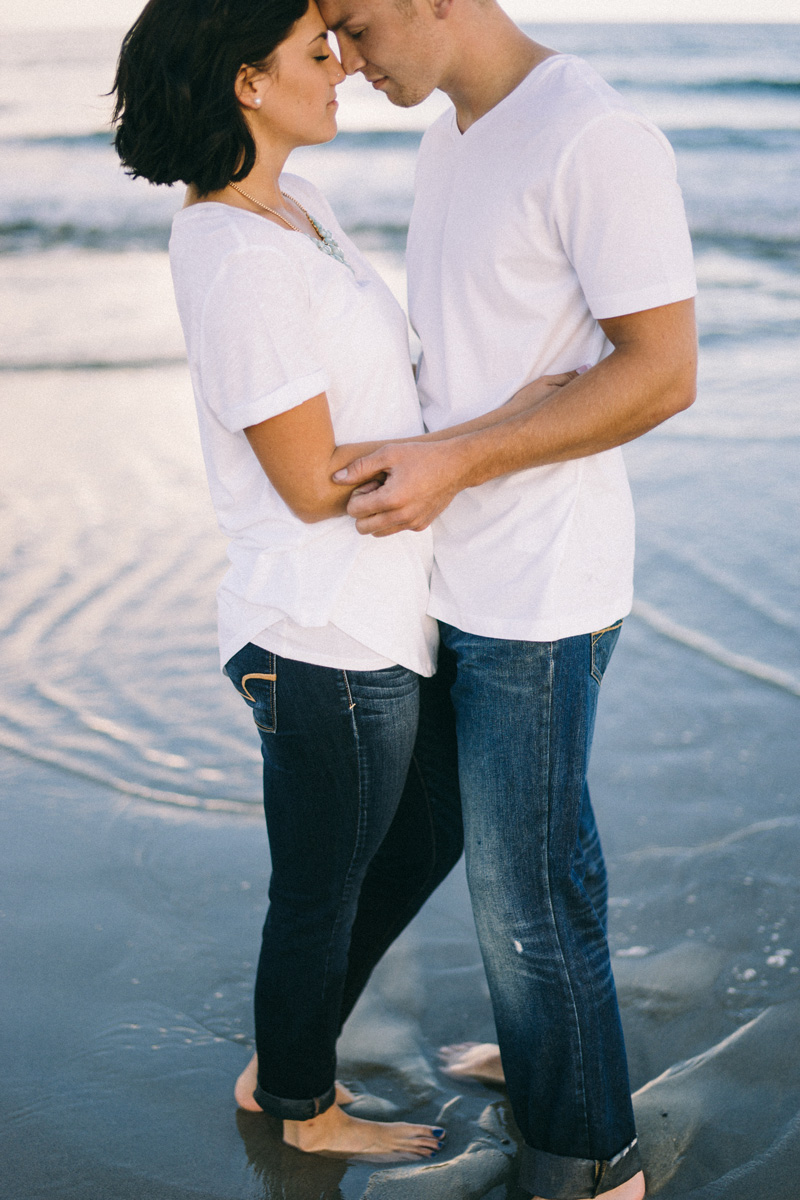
(110,554)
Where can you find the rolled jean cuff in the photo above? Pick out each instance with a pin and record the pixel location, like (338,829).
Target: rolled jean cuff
(294,1110)
(555,1177)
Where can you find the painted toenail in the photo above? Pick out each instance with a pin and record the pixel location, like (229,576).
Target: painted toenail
(437,1131)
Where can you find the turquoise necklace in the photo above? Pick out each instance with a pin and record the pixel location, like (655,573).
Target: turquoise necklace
(324,240)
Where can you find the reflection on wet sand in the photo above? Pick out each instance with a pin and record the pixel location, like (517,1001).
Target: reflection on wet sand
(283,1171)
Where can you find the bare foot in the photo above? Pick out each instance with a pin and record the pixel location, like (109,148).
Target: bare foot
(473,1060)
(335,1132)
(246,1085)
(632,1189)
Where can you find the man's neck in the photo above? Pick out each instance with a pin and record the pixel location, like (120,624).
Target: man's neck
(491,59)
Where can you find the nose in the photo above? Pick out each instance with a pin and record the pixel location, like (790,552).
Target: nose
(337,73)
(351,58)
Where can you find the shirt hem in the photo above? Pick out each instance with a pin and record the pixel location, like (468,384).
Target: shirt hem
(544,629)
(411,662)
(376,663)
(622,304)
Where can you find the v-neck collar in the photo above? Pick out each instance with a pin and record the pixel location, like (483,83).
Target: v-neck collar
(538,71)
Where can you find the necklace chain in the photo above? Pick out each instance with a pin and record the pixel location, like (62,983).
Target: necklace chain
(324,240)
(275,211)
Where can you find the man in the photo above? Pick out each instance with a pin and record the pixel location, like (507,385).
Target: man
(548,231)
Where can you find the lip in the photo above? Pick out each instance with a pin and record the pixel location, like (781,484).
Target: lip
(378,81)
(333,104)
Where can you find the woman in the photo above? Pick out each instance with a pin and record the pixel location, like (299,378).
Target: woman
(296,349)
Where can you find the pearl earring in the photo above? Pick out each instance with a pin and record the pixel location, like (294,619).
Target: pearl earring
(257,102)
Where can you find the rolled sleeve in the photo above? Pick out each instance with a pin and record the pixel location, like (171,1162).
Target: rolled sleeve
(295,392)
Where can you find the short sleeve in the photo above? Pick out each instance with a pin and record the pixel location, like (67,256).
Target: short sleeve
(619,212)
(257,353)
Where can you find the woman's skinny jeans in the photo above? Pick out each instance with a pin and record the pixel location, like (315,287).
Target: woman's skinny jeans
(364,821)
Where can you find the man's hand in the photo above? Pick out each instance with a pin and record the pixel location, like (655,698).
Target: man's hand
(419,481)
(405,485)
(649,376)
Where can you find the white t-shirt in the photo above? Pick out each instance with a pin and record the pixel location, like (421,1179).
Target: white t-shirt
(270,321)
(558,207)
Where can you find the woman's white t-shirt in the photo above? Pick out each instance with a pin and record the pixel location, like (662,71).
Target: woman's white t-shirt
(270,321)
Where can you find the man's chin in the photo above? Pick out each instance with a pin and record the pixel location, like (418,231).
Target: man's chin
(401,98)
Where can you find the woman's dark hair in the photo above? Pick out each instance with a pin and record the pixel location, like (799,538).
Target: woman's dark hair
(176,112)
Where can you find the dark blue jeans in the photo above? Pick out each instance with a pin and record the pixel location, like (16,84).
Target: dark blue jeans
(525,717)
(364,821)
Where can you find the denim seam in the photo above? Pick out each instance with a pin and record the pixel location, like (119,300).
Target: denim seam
(350,701)
(359,839)
(429,813)
(562,956)
(598,677)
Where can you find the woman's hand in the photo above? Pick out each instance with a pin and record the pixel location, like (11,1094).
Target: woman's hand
(407,485)
(533,394)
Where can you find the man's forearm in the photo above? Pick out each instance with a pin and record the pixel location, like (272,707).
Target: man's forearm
(594,413)
(618,400)
(649,376)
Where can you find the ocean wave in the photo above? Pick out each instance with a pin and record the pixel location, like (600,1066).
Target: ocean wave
(722,137)
(739,185)
(30,236)
(725,87)
(748,246)
(705,137)
(69,141)
(359,139)
(96,364)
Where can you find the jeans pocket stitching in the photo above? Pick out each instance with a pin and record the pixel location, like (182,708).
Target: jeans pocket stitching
(596,675)
(270,678)
(608,629)
(253,675)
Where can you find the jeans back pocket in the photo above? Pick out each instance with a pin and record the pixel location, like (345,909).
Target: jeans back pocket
(252,672)
(603,643)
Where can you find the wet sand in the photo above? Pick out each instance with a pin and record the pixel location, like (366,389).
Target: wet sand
(130,930)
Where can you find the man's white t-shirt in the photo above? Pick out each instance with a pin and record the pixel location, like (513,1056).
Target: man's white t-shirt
(557,208)
(270,321)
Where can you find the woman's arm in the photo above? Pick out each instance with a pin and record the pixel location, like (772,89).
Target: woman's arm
(299,455)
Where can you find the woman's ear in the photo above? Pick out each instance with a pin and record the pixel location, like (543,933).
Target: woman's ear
(248,85)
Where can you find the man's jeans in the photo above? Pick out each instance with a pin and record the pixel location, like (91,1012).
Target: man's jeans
(364,822)
(524,718)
